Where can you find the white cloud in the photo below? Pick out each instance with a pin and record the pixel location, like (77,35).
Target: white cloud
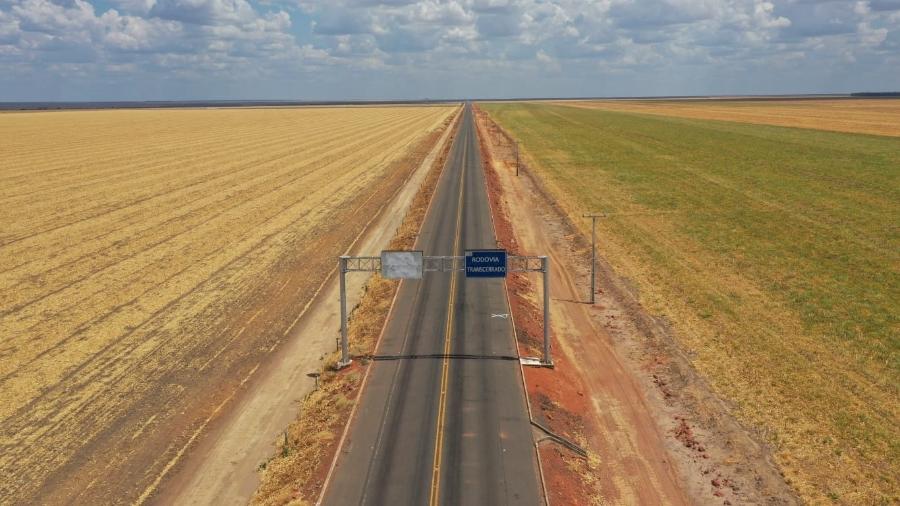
(171,33)
(447,14)
(204,12)
(425,41)
(135,33)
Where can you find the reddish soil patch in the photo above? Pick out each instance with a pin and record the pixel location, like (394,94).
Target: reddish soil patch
(556,395)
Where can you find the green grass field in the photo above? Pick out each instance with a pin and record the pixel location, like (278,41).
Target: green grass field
(775,253)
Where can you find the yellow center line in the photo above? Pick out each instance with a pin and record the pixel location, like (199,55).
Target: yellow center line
(445,373)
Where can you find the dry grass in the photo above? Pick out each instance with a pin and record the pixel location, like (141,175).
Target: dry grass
(869,116)
(149,259)
(773,251)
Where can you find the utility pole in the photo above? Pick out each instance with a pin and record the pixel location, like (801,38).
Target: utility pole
(517,158)
(593,217)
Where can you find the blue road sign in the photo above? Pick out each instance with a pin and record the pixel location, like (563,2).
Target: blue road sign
(486,263)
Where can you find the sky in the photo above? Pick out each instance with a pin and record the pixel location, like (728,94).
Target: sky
(416,49)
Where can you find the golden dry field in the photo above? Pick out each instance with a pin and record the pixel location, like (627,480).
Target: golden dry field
(867,116)
(150,259)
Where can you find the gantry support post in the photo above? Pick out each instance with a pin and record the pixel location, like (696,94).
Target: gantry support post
(345,344)
(545,268)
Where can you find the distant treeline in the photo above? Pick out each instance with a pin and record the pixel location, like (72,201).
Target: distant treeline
(876,94)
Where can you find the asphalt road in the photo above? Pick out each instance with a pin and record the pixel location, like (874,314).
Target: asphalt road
(443,419)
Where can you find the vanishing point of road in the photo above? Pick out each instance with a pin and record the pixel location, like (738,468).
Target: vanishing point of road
(443,418)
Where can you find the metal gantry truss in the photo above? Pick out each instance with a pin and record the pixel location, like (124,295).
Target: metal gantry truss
(443,264)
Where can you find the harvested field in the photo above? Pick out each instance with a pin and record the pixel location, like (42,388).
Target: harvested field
(868,116)
(149,260)
(774,254)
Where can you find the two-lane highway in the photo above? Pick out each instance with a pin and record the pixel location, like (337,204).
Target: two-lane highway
(443,419)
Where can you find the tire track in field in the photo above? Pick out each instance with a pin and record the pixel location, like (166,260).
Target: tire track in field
(351,148)
(69,167)
(202,185)
(389,187)
(213,157)
(94,321)
(206,184)
(201,179)
(114,380)
(246,203)
(212,142)
(195,312)
(65,155)
(213,146)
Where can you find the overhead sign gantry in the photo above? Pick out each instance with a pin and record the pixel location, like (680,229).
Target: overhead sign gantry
(414,264)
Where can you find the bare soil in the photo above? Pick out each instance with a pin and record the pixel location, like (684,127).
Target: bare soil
(622,388)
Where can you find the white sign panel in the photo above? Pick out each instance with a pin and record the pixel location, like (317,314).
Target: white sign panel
(402,264)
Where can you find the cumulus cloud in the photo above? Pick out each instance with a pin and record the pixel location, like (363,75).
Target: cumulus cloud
(341,21)
(884,5)
(309,48)
(159,39)
(203,12)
